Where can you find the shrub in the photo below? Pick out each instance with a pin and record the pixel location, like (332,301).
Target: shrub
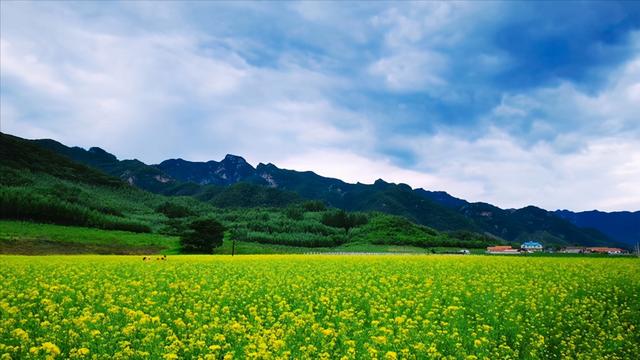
(23,204)
(173,210)
(294,212)
(314,206)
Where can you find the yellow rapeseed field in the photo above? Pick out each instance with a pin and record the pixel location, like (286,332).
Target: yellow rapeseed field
(319,307)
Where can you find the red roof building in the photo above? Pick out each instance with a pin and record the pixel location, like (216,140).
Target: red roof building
(605,250)
(502,250)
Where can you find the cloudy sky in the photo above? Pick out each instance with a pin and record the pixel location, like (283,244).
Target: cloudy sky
(511,103)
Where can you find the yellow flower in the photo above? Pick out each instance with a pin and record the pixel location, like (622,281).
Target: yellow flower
(391,355)
(20,334)
(51,348)
(379,339)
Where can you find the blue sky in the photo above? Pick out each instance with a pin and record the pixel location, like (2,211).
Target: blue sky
(512,103)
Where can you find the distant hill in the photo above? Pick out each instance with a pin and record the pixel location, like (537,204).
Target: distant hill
(527,224)
(233,182)
(622,226)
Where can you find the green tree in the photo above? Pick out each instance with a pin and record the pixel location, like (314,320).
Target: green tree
(342,219)
(202,237)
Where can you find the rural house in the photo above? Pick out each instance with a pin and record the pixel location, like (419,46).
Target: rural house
(573,250)
(606,250)
(531,246)
(502,250)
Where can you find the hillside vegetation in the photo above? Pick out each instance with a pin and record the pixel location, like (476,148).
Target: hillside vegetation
(18,237)
(45,181)
(233,182)
(35,189)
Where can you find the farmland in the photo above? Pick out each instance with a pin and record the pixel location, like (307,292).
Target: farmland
(295,306)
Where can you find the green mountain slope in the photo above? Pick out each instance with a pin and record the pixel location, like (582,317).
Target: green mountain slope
(34,188)
(528,223)
(153,179)
(17,154)
(381,196)
(268,185)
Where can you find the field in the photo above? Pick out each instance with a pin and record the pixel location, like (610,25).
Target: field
(20,237)
(319,307)
(28,238)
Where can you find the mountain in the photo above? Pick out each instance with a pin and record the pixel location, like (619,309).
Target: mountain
(443,198)
(233,182)
(134,172)
(396,199)
(18,154)
(230,170)
(622,226)
(154,179)
(45,187)
(527,224)
(381,196)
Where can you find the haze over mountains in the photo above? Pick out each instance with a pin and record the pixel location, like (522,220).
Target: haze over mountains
(220,182)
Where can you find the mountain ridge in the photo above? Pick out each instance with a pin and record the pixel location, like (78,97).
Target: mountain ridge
(437,209)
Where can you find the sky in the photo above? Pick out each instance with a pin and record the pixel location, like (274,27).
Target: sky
(511,103)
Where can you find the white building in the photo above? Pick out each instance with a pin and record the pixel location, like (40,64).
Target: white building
(531,246)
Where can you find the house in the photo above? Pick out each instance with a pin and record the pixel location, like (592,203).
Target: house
(504,250)
(573,250)
(606,250)
(531,246)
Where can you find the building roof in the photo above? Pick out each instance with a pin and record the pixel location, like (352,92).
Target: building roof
(532,244)
(605,249)
(499,248)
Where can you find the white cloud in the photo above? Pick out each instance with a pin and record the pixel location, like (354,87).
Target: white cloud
(417,71)
(352,167)
(564,111)
(151,95)
(498,169)
(29,68)
(555,147)
(155,85)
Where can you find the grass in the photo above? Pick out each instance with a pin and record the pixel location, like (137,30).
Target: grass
(243,247)
(33,238)
(319,307)
(18,237)
(247,248)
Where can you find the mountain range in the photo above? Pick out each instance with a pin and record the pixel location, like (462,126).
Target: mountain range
(232,182)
